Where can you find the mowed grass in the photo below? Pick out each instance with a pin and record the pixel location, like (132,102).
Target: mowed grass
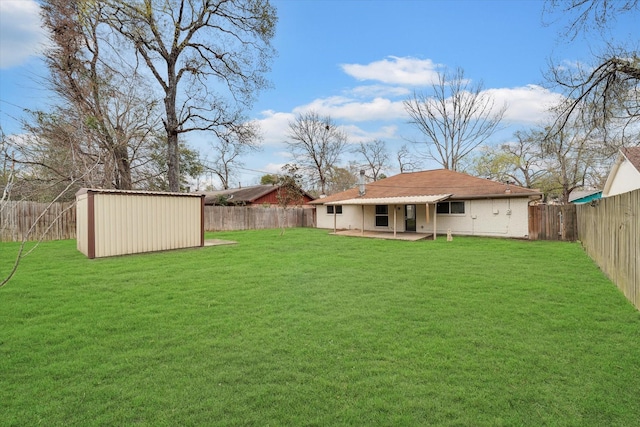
(313,329)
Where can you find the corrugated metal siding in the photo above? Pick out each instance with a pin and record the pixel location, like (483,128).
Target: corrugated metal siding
(127,223)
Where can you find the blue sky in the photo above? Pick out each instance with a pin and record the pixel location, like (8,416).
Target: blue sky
(356,61)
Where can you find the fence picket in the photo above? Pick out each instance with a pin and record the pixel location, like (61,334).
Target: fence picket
(59,221)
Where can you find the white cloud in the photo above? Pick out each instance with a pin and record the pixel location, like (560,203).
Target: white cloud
(372,91)
(273,167)
(348,109)
(527,104)
(21,32)
(274,127)
(395,70)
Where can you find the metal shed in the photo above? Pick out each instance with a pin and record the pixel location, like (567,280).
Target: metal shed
(119,222)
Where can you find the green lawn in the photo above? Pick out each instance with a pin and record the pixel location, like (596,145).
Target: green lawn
(313,329)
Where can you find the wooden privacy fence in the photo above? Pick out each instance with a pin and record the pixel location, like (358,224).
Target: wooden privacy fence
(228,218)
(553,222)
(609,230)
(59,221)
(37,221)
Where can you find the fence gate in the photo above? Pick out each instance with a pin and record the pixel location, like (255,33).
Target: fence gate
(553,222)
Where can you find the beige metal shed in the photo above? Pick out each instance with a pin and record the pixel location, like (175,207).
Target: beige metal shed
(119,222)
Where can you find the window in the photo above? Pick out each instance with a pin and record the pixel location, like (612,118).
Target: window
(450,208)
(338,209)
(382,216)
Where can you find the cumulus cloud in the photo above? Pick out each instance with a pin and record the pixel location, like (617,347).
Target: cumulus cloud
(527,104)
(371,91)
(21,32)
(349,109)
(274,126)
(396,70)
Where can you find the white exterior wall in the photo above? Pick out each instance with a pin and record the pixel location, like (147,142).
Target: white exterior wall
(489,217)
(482,217)
(627,178)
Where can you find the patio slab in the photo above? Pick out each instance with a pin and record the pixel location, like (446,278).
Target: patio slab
(383,235)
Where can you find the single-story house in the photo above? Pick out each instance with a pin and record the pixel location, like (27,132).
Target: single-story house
(431,202)
(580,197)
(256,195)
(625,173)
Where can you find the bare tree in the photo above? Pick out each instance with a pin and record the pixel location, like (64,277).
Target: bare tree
(519,161)
(607,92)
(570,156)
(196,50)
(407,161)
(455,118)
(316,144)
(343,178)
(289,191)
(98,93)
(375,156)
(9,176)
(232,143)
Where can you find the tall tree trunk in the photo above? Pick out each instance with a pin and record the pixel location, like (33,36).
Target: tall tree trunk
(172,128)
(123,168)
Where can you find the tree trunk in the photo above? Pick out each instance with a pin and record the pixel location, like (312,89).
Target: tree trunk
(123,168)
(171,126)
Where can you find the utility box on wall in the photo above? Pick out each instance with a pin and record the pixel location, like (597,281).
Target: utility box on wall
(119,222)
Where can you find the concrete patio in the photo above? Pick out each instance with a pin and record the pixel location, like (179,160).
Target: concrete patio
(384,235)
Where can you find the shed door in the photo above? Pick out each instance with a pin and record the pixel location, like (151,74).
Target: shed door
(409,217)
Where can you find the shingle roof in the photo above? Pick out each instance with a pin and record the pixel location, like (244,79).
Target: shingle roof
(246,195)
(434,182)
(633,155)
(239,195)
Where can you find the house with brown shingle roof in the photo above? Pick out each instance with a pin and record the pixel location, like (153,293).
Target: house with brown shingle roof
(256,195)
(430,202)
(625,173)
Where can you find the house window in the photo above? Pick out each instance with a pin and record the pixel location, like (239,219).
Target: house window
(337,209)
(450,208)
(382,216)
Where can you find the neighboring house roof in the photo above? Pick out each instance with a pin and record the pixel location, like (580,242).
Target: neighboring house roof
(584,196)
(431,186)
(246,195)
(625,173)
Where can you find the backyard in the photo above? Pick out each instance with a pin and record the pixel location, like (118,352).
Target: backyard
(313,329)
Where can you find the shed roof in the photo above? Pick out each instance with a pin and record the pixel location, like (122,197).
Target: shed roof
(134,192)
(428,184)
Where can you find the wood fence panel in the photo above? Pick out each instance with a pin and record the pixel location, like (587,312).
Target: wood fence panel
(59,221)
(37,221)
(231,218)
(553,222)
(609,229)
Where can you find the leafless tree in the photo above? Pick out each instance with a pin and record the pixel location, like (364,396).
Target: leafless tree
(454,118)
(519,161)
(101,100)
(343,178)
(197,50)
(231,144)
(289,191)
(316,144)
(9,176)
(607,92)
(407,161)
(375,156)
